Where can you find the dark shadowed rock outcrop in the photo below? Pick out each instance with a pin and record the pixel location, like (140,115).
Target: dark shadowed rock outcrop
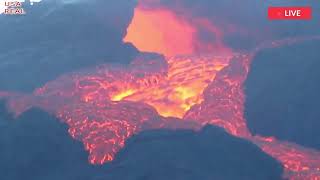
(283,93)
(208,154)
(57,36)
(36,146)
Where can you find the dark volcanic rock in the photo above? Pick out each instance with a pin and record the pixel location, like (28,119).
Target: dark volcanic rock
(187,155)
(36,146)
(55,37)
(282,91)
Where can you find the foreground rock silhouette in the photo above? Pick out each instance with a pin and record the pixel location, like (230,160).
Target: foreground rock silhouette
(36,146)
(208,154)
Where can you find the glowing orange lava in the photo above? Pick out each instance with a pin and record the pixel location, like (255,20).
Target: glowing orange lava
(159,30)
(179,89)
(164,31)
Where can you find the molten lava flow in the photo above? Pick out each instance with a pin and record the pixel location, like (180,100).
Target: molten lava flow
(121,95)
(181,87)
(223,99)
(104,106)
(299,162)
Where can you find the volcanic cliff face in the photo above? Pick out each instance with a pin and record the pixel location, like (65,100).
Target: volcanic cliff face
(58,37)
(282,91)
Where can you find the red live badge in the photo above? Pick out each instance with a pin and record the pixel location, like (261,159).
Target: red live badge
(290,13)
